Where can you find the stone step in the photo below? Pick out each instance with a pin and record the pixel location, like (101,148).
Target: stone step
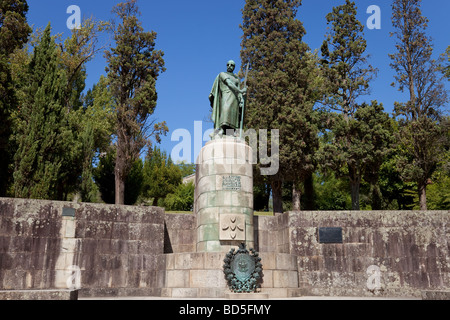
(247,296)
(39,295)
(193,293)
(436,295)
(222,293)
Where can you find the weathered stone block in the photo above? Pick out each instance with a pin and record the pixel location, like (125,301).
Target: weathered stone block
(177,279)
(189,261)
(207,279)
(214,260)
(184,293)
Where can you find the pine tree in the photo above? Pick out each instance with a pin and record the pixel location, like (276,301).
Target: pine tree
(344,65)
(282,87)
(43,132)
(421,132)
(344,60)
(14,33)
(133,68)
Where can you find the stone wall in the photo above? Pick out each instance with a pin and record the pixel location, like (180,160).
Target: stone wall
(180,233)
(117,249)
(271,233)
(123,250)
(411,250)
(30,243)
(121,247)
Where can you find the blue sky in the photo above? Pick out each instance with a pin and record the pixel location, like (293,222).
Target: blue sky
(200,36)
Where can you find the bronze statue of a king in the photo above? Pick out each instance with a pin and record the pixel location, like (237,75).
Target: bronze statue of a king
(227,101)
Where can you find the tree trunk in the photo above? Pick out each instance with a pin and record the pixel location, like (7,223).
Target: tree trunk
(119,176)
(355,181)
(355,196)
(296,195)
(423,196)
(309,202)
(277,196)
(376,196)
(120,189)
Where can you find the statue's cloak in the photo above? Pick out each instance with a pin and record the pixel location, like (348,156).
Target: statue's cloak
(225,102)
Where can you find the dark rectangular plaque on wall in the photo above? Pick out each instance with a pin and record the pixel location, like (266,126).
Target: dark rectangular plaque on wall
(330,235)
(68,212)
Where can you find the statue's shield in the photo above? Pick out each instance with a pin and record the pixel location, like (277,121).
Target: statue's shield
(243,266)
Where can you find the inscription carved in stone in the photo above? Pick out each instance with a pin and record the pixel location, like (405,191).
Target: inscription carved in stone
(232,183)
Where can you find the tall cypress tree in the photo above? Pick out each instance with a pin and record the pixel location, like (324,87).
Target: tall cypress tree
(14,32)
(42,129)
(133,68)
(344,64)
(421,131)
(282,87)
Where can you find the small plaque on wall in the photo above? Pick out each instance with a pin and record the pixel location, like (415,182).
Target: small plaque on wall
(330,235)
(68,212)
(231,183)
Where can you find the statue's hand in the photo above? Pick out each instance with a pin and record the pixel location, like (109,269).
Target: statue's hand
(244,91)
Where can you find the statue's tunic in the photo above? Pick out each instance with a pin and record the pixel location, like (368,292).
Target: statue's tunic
(226,102)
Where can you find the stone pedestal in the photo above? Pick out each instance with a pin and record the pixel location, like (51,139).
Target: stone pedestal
(223,210)
(224,195)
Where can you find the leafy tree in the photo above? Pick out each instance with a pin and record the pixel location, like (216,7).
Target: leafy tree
(421,131)
(72,56)
(439,189)
(103,175)
(357,147)
(43,132)
(344,62)
(186,169)
(347,74)
(261,193)
(377,132)
(96,128)
(14,33)
(282,87)
(331,193)
(133,68)
(161,176)
(76,51)
(182,199)
(396,193)
(447,68)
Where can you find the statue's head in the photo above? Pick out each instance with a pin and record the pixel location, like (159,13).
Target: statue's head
(231,65)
